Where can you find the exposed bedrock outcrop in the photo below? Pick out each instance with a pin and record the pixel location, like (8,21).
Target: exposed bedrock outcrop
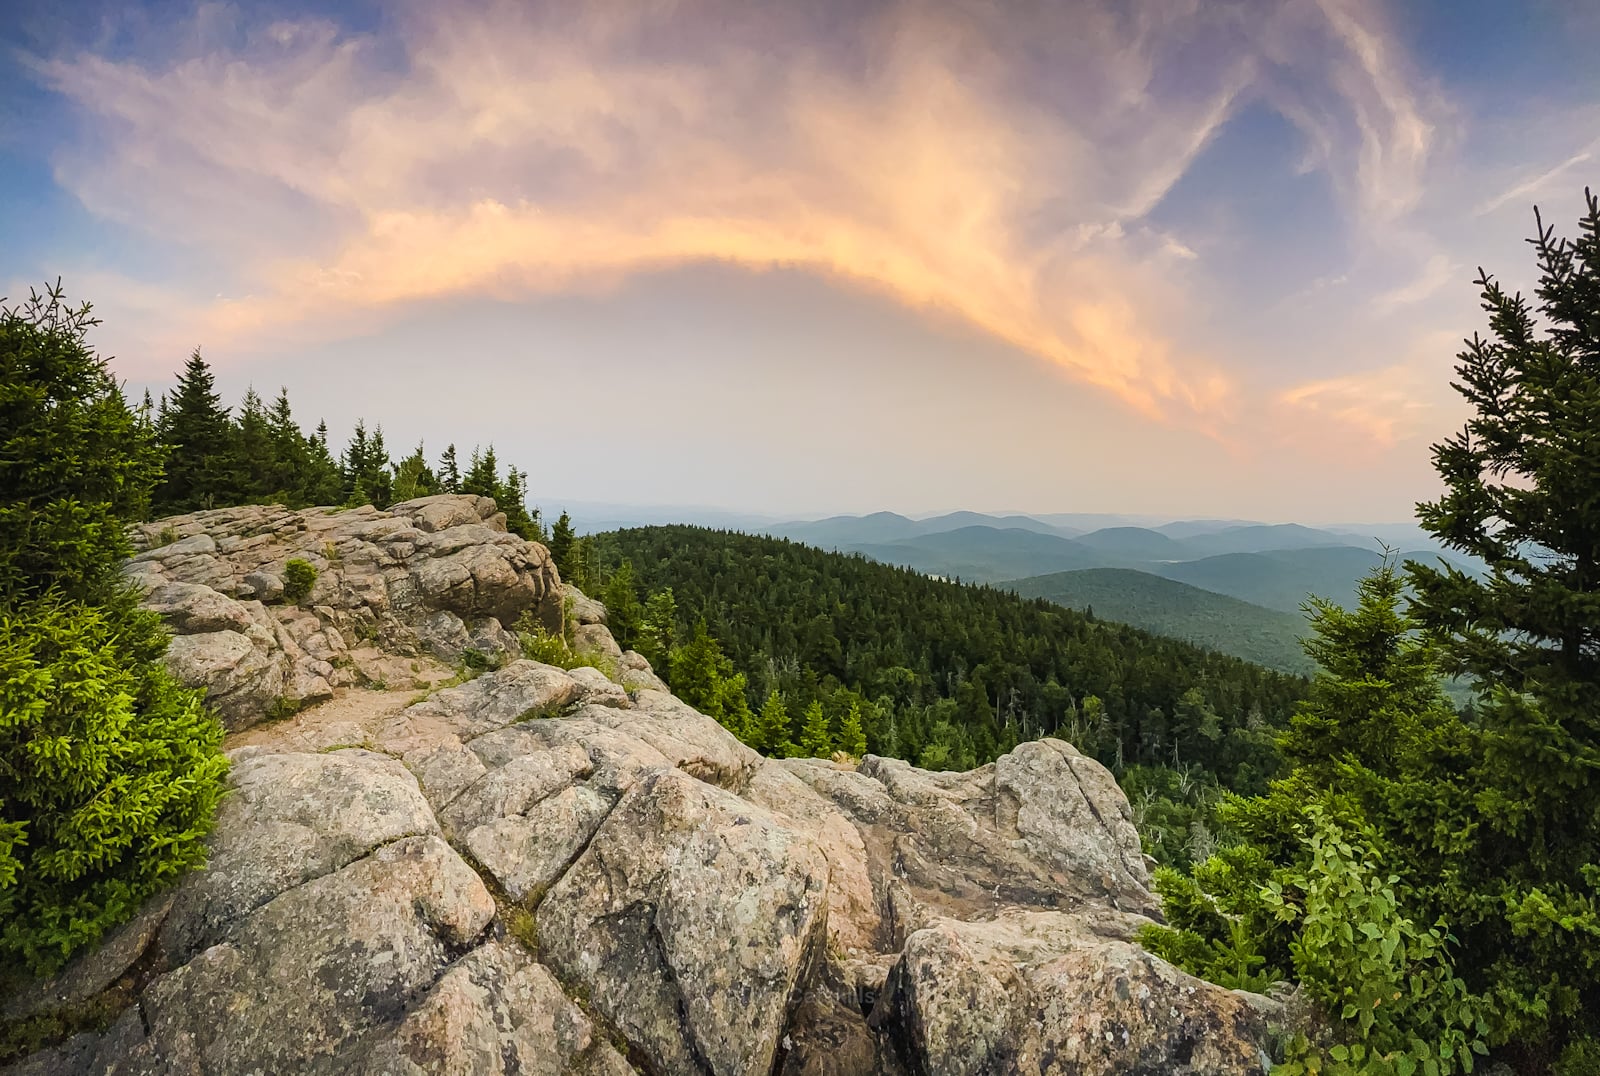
(540,871)
(433,576)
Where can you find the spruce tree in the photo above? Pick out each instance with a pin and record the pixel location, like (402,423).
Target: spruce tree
(254,455)
(449,471)
(852,738)
(561,540)
(109,771)
(200,467)
(367,478)
(323,484)
(771,729)
(658,629)
(815,739)
(1522,495)
(623,611)
(413,477)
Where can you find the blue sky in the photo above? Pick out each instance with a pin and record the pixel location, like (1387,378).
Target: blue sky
(1198,259)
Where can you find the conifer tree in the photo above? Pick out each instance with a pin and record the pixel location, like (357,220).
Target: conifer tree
(291,454)
(1522,494)
(561,540)
(658,629)
(852,738)
(254,454)
(623,611)
(324,484)
(200,468)
(365,468)
(815,740)
(449,471)
(413,477)
(771,731)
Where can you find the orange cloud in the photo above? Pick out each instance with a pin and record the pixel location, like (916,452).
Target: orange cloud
(510,153)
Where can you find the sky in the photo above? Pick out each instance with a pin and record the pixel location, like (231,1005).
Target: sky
(1175,257)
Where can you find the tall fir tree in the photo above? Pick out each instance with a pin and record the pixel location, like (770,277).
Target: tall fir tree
(449,471)
(561,542)
(1522,494)
(324,484)
(200,468)
(366,468)
(623,611)
(852,737)
(413,477)
(771,731)
(255,462)
(815,739)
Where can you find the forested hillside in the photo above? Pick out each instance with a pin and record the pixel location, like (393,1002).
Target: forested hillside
(1267,637)
(948,675)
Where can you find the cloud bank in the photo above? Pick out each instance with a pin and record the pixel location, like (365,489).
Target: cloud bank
(997,164)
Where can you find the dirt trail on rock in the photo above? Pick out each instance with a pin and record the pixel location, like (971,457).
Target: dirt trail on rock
(349,719)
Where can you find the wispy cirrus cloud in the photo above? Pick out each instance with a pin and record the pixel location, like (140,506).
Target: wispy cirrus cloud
(995,163)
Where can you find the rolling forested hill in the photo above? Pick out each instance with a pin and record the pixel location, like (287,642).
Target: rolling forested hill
(1267,637)
(946,673)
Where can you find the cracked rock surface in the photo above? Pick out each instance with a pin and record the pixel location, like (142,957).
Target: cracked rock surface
(541,871)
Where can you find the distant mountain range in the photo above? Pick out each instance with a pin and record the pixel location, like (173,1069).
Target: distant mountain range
(1231,584)
(1234,585)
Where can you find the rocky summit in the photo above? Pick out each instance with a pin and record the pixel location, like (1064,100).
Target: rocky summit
(541,870)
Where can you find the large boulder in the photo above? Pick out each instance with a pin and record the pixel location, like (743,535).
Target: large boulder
(1053,994)
(689,922)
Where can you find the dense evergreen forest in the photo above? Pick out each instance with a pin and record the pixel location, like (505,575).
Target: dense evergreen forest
(946,674)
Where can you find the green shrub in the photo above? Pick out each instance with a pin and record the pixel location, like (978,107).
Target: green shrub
(109,771)
(539,644)
(475,661)
(112,775)
(1384,985)
(1389,981)
(299,577)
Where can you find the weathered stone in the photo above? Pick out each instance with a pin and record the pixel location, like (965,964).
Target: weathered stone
(521,690)
(94,970)
(582,608)
(496,1013)
(1067,811)
(526,853)
(302,983)
(1046,993)
(191,609)
(644,919)
(439,573)
(596,639)
(290,818)
(243,673)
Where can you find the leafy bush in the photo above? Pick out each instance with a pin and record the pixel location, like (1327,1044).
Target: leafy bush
(1384,984)
(1387,980)
(112,775)
(299,577)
